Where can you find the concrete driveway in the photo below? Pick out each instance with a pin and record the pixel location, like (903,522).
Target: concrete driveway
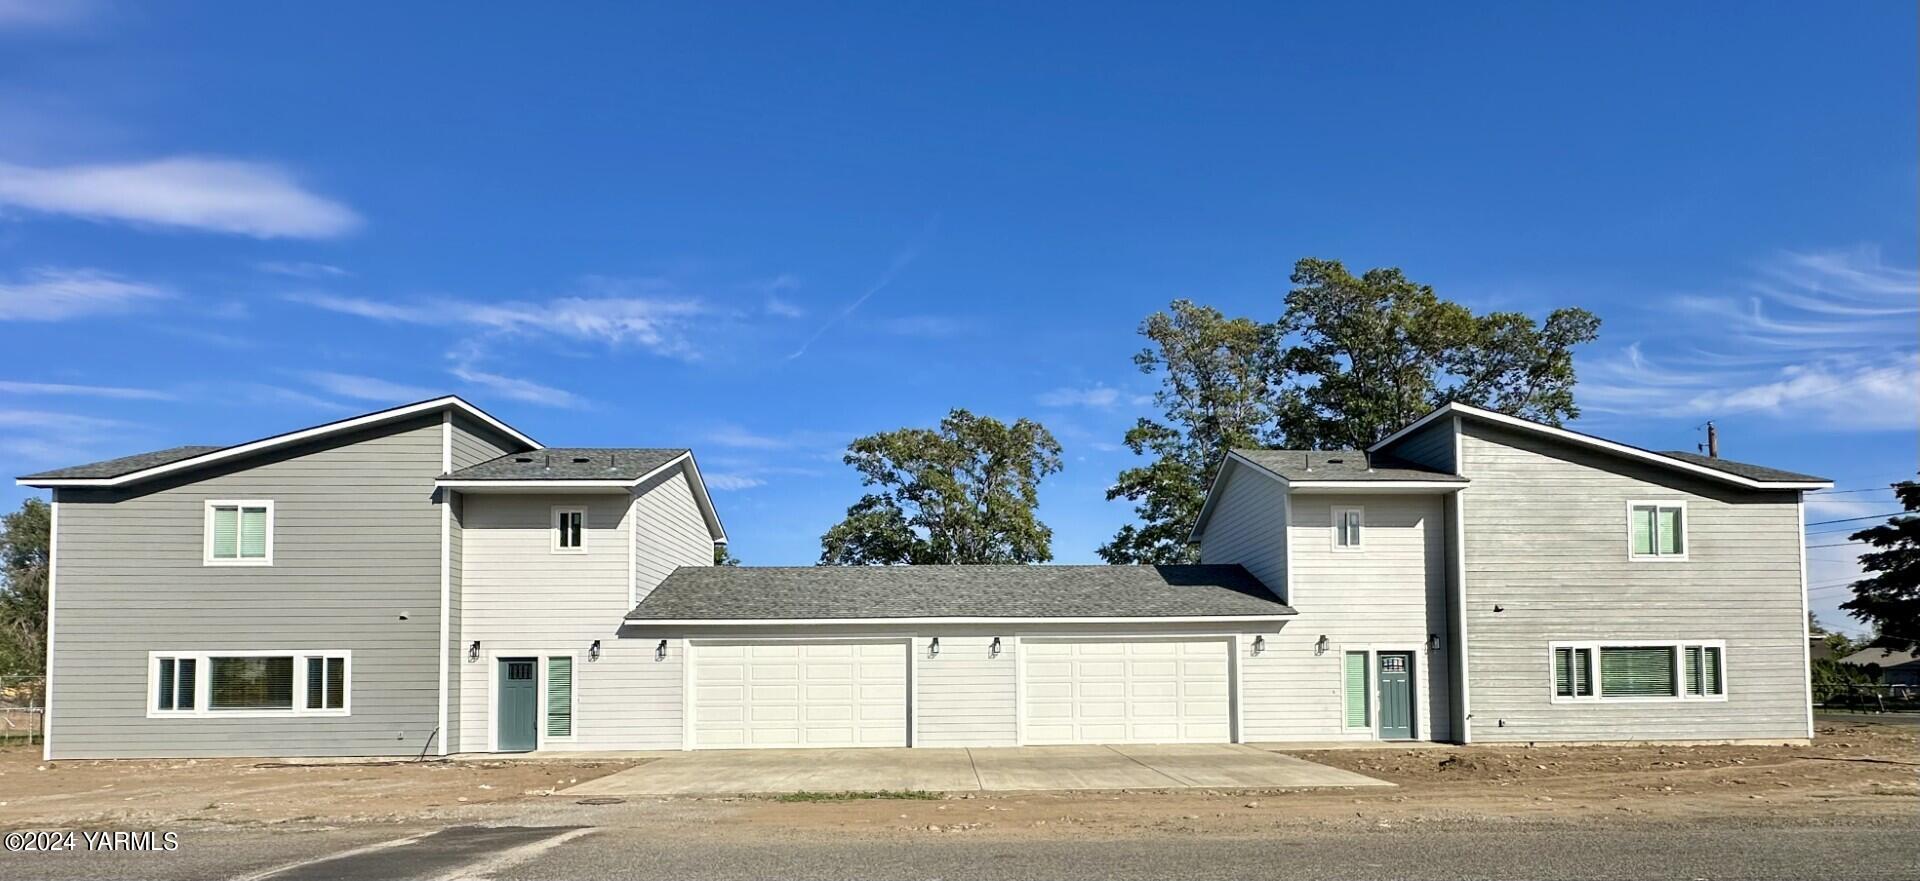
(1004,769)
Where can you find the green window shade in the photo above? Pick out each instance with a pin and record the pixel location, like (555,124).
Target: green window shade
(559,697)
(1356,677)
(164,700)
(1693,669)
(1636,671)
(316,683)
(253,683)
(1669,530)
(336,683)
(1712,670)
(226,533)
(253,533)
(1643,530)
(1572,672)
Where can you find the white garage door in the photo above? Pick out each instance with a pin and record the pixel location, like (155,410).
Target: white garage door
(1127,691)
(793,694)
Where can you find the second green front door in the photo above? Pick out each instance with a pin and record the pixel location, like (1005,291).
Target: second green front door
(1396,695)
(518,713)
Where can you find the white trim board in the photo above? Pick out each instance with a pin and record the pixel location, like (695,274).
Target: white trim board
(1595,443)
(290,438)
(753,622)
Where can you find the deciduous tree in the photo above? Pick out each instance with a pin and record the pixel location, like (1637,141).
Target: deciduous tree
(23,589)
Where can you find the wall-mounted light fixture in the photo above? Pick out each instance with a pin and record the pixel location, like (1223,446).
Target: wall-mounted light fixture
(473,651)
(1433,641)
(993,651)
(593,651)
(1259,644)
(1320,645)
(660,651)
(934,647)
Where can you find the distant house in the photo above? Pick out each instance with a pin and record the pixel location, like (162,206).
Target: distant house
(1896,668)
(1818,649)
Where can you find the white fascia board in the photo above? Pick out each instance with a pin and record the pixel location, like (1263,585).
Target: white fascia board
(700,495)
(1344,486)
(1597,443)
(756,622)
(290,438)
(539,485)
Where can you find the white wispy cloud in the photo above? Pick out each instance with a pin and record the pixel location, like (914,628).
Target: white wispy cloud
(85,391)
(44,13)
(780,308)
(44,437)
(208,194)
(740,438)
(1097,396)
(901,260)
(1822,336)
(725,481)
(659,325)
(301,269)
(518,389)
(367,388)
(51,294)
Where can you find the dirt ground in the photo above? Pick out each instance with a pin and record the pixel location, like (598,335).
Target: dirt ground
(1851,772)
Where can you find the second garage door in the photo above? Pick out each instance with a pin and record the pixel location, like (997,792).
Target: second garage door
(799,694)
(1126,691)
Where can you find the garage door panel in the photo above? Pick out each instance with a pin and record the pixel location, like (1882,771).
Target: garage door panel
(1139,690)
(798,694)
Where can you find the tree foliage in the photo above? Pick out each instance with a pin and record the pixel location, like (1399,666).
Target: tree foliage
(1889,601)
(1214,395)
(1349,360)
(723,556)
(24,560)
(965,492)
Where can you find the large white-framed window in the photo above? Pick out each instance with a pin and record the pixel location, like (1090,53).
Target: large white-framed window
(1637,670)
(238,532)
(1348,522)
(1657,530)
(568,528)
(249,683)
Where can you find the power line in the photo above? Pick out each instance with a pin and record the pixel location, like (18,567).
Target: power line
(1866,517)
(1844,544)
(1842,492)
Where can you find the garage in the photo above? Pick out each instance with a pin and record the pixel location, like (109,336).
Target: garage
(1130,690)
(798,693)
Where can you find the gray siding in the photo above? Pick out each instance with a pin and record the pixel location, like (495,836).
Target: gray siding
(474,443)
(1431,446)
(356,545)
(1249,526)
(1546,541)
(669,531)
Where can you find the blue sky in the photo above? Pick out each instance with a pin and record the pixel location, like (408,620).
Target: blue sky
(760,234)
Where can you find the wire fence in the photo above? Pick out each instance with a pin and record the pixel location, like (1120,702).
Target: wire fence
(1874,697)
(23,709)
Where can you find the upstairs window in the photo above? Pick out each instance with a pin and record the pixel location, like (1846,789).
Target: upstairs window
(239,533)
(1346,528)
(1657,530)
(569,530)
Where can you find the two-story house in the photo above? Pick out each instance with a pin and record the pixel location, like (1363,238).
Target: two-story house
(428,579)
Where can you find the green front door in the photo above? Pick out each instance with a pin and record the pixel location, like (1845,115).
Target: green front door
(519,710)
(1396,696)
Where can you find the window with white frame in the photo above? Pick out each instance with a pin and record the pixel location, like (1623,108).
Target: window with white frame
(1347,523)
(239,533)
(569,526)
(1638,671)
(255,683)
(1657,530)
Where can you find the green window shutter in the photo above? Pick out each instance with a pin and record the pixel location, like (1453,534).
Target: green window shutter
(559,697)
(253,533)
(1356,689)
(316,683)
(1712,670)
(1670,541)
(1643,530)
(1639,671)
(1693,669)
(165,697)
(226,533)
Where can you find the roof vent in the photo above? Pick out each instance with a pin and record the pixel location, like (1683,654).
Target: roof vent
(1335,461)
(523,459)
(581,460)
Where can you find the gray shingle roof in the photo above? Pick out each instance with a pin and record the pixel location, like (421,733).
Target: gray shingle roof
(1742,469)
(571,463)
(1883,657)
(1304,465)
(760,593)
(124,464)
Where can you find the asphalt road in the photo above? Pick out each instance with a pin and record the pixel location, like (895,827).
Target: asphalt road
(1721,851)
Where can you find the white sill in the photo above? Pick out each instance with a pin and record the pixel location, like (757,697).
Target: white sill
(249,561)
(244,714)
(1657,558)
(1660,699)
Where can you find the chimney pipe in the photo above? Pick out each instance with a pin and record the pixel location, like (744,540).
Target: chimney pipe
(1713,441)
